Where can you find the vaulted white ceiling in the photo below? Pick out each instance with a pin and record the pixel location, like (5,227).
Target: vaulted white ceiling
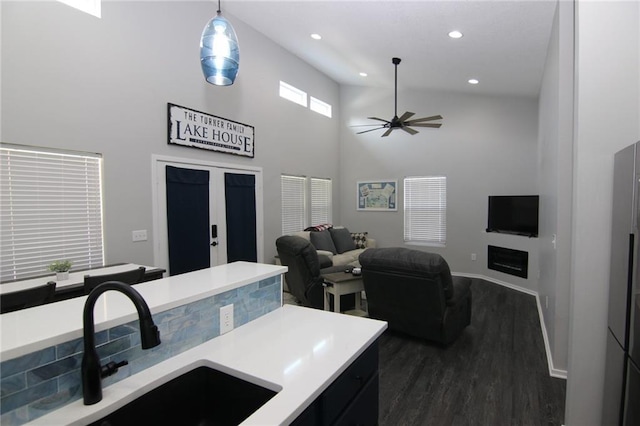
(504,44)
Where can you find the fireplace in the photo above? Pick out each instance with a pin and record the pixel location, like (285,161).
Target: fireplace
(509,261)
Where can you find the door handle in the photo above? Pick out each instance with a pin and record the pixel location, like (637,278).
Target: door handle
(214,234)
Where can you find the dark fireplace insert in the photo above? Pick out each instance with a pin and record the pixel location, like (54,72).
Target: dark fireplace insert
(509,261)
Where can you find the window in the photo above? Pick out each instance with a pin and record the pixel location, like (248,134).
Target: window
(320,201)
(320,107)
(92,7)
(298,96)
(299,192)
(293,94)
(425,210)
(50,209)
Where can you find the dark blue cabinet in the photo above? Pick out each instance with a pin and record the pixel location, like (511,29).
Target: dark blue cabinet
(351,399)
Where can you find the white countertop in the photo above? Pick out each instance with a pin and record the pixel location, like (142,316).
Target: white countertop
(28,330)
(296,351)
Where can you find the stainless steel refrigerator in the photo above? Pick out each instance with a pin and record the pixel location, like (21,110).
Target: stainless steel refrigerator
(621,404)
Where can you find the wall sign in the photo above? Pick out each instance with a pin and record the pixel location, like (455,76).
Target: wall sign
(197,129)
(377,195)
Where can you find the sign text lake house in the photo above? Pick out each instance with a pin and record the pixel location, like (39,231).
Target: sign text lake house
(197,129)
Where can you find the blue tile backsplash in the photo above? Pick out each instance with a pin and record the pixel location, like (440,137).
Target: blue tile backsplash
(37,383)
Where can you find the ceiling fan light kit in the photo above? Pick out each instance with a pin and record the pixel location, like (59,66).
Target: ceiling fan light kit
(403,121)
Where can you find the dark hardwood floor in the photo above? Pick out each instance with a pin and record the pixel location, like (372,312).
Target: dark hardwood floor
(496,373)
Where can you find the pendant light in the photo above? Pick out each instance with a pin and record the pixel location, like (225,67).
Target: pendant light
(219,52)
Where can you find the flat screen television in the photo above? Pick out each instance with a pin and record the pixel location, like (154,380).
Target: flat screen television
(513,214)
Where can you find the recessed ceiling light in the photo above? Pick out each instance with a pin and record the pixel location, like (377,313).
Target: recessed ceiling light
(316,36)
(473,81)
(455,34)
(363,74)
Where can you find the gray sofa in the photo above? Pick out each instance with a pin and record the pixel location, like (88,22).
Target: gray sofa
(338,244)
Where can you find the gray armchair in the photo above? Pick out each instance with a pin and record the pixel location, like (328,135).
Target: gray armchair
(304,277)
(415,293)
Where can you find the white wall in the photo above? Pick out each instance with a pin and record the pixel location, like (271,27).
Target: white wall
(486,146)
(555,162)
(73,81)
(2,37)
(607,119)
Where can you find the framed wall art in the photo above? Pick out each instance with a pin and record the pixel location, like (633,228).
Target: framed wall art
(377,195)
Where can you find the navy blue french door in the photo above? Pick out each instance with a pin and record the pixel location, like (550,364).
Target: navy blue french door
(188,219)
(240,207)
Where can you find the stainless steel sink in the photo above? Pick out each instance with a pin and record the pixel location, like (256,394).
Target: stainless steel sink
(202,396)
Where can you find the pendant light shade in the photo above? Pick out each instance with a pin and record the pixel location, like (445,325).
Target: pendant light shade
(219,52)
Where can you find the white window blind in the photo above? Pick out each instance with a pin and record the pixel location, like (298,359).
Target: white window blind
(50,209)
(293,203)
(320,201)
(425,210)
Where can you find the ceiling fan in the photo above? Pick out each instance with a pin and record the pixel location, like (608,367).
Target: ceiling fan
(403,121)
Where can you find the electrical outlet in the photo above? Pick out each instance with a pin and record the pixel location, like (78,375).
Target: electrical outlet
(140,235)
(226,318)
(474,257)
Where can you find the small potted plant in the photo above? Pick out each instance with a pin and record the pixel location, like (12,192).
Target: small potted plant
(61,268)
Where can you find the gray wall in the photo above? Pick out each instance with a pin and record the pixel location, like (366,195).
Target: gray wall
(486,146)
(607,118)
(555,163)
(72,81)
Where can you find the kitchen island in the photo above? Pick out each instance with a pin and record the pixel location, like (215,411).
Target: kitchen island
(297,352)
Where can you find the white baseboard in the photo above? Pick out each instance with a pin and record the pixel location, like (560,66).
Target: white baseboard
(553,372)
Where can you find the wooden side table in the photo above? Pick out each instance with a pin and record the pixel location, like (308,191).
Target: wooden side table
(339,284)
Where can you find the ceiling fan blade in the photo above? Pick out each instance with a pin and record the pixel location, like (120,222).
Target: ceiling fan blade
(370,130)
(387,132)
(409,130)
(417,120)
(406,116)
(379,119)
(363,125)
(436,125)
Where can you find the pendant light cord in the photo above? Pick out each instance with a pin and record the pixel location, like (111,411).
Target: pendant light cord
(219,11)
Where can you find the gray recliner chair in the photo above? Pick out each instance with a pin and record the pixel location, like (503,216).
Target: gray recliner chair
(304,275)
(415,293)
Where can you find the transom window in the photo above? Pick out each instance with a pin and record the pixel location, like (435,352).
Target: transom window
(293,94)
(299,97)
(320,107)
(92,7)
